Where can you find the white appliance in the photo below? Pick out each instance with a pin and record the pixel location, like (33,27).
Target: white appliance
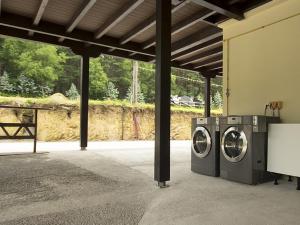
(284,149)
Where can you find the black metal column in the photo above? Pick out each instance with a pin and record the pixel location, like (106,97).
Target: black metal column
(207,96)
(162,92)
(84,100)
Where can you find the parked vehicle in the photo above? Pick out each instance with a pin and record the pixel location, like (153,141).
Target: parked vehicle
(186,101)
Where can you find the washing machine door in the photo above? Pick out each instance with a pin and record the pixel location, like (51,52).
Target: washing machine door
(234,144)
(201,142)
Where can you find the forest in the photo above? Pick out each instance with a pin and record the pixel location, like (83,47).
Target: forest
(31,69)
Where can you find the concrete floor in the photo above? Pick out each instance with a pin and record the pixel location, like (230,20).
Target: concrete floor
(112,183)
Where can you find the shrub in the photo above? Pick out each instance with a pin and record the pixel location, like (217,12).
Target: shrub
(5,85)
(27,87)
(140,95)
(72,93)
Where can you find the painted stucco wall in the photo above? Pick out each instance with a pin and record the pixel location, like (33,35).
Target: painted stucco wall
(262,60)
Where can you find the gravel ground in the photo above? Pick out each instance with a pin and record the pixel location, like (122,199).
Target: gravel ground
(43,189)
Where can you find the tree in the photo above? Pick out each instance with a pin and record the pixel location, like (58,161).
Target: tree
(118,71)
(218,101)
(140,96)
(72,93)
(39,62)
(147,81)
(5,85)
(98,80)
(56,68)
(111,92)
(71,73)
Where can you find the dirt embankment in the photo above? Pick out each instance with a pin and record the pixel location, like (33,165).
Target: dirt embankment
(105,123)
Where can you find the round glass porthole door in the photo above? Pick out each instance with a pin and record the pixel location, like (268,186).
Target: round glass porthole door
(234,144)
(201,142)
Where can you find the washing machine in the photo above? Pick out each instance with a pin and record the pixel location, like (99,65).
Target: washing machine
(205,151)
(243,155)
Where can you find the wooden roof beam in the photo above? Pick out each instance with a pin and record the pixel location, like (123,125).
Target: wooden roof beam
(146,24)
(39,14)
(51,29)
(184,24)
(195,39)
(216,72)
(117,17)
(203,55)
(210,68)
(209,62)
(95,50)
(85,7)
(222,8)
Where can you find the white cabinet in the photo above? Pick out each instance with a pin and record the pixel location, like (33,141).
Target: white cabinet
(284,149)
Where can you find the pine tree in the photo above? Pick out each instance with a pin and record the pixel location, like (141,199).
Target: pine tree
(218,101)
(72,93)
(5,85)
(111,92)
(140,95)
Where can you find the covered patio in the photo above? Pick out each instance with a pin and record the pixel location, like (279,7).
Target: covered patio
(105,186)
(177,33)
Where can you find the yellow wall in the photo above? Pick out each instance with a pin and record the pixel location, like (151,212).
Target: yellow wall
(262,60)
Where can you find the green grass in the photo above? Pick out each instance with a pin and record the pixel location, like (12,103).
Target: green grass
(116,103)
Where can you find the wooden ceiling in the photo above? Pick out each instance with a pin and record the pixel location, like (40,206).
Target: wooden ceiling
(126,28)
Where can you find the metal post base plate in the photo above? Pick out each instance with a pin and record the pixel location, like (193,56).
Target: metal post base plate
(162,184)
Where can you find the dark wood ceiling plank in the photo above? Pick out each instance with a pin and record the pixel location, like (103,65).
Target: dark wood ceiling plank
(203,55)
(79,15)
(117,17)
(146,24)
(184,24)
(222,8)
(195,39)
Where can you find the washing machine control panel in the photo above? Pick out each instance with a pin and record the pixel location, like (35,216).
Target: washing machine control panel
(234,120)
(201,120)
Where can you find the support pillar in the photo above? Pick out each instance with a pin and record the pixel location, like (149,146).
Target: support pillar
(84,100)
(207,96)
(162,92)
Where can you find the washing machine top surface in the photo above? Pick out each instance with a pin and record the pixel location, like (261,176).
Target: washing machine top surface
(255,120)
